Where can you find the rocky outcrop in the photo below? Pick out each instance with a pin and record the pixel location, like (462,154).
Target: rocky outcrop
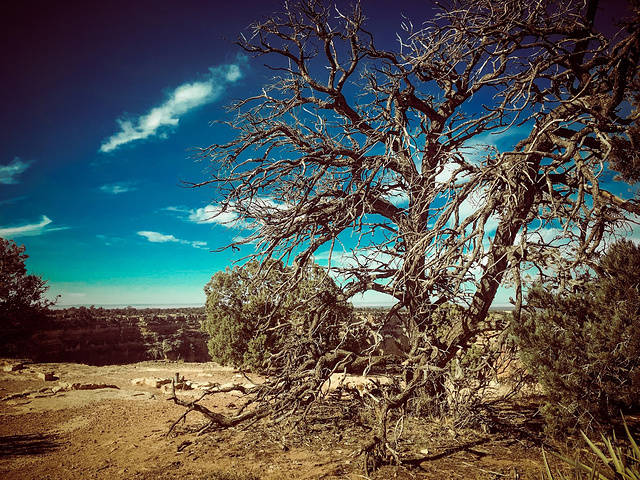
(107,337)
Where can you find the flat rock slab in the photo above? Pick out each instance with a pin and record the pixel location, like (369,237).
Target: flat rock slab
(150,382)
(85,386)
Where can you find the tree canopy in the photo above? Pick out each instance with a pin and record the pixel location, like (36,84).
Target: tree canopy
(22,299)
(475,152)
(477,148)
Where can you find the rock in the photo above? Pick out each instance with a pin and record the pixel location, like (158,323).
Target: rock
(85,386)
(69,386)
(202,385)
(47,376)
(14,396)
(13,367)
(150,382)
(96,386)
(179,386)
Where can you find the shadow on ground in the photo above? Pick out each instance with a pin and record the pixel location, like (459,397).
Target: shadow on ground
(15,445)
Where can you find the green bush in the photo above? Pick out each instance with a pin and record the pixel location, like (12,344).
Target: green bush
(258,315)
(583,346)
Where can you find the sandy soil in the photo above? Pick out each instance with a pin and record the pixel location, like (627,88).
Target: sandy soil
(119,432)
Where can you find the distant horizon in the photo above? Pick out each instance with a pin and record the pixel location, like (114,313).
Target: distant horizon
(125,305)
(141,306)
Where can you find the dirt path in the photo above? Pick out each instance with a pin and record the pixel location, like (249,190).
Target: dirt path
(119,431)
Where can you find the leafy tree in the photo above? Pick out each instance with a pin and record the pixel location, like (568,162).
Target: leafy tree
(22,300)
(469,154)
(583,346)
(254,315)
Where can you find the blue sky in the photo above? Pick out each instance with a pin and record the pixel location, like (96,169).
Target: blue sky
(101,102)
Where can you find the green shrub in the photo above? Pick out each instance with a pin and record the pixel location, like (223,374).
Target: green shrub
(257,315)
(583,346)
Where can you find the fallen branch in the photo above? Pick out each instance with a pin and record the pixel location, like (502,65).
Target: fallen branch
(217,419)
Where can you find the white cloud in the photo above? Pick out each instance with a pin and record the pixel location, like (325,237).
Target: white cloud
(26,230)
(447,174)
(181,101)
(156,237)
(472,204)
(212,214)
(9,173)
(255,209)
(398,197)
(118,187)
(234,73)
(209,214)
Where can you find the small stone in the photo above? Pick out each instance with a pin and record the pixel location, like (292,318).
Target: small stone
(150,382)
(46,376)
(69,386)
(13,367)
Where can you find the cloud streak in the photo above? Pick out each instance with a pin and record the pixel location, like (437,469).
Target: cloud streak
(156,237)
(184,99)
(27,230)
(9,173)
(211,214)
(118,187)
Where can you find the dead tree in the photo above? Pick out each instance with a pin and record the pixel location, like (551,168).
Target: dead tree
(473,154)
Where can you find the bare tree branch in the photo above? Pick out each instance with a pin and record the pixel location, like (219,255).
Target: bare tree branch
(474,153)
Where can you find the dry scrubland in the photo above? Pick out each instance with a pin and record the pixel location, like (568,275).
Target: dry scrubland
(108,425)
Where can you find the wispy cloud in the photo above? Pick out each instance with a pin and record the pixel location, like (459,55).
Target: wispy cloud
(182,100)
(13,200)
(29,229)
(109,241)
(209,214)
(213,214)
(9,173)
(229,215)
(156,237)
(118,187)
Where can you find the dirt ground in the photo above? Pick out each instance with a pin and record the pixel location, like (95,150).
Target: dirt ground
(119,431)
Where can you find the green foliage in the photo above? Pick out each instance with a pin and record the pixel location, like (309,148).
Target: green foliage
(257,314)
(583,346)
(618,462)
(22,301)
